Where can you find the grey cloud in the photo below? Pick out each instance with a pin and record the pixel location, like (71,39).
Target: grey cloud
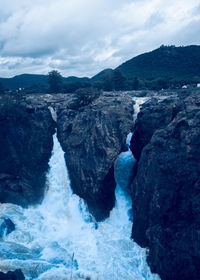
(82,37)
(189,34)
(196,10)
(155,19)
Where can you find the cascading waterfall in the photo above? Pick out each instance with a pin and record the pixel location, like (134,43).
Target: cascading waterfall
(59,240)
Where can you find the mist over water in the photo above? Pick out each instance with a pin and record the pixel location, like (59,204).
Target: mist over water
(59,239)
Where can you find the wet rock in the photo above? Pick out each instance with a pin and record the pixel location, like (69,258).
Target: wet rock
(6,226)
(165,191)
(92,137)
(12,275)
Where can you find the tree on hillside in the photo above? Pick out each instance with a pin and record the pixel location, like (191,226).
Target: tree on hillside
(107,82)
(135,83)
(118,80)
(55,81)
(1,88)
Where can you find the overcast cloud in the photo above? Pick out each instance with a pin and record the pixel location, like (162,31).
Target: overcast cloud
(82,37)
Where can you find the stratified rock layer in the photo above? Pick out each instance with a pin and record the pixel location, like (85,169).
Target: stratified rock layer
(92,137)
(166,189)
(25,147)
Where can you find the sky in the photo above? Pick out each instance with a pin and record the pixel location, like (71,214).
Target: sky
(83,37)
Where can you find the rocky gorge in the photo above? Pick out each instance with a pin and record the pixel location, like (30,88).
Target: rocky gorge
(165,183)
(92,137)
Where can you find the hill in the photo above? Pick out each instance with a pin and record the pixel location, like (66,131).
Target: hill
(102,74)
(28,80)
(23,81)
(165,67)
(164,62)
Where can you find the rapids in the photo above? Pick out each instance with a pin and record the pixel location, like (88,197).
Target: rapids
(59,239)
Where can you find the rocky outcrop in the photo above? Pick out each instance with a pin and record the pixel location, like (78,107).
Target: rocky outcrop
(92,136)
(12,275)
(154,114)
(166,189)
(26,130)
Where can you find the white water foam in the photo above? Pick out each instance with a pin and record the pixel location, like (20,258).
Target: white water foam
(138,102)
(58,240)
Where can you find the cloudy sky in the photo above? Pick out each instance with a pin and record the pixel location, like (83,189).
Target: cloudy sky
(82,37)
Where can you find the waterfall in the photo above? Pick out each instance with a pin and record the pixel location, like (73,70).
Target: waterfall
(58,239)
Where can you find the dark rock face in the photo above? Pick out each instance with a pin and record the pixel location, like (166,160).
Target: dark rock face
(166,189)
(25,148)
(6,226)
(92,137)
(12,275)
(153,115)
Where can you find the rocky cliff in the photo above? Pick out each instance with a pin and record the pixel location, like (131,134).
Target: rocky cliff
(166,189)
(26,130)
(92,137)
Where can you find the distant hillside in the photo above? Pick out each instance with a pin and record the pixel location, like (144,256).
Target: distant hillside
(102,74)
(165,67)
(76,79)
(23,81)
(165,62)
(28,80)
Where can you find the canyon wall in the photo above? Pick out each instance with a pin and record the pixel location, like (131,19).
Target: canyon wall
(166,189)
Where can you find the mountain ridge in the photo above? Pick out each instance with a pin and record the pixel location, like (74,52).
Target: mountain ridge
(165,62)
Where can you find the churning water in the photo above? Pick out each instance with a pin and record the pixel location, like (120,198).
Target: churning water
(59,239)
